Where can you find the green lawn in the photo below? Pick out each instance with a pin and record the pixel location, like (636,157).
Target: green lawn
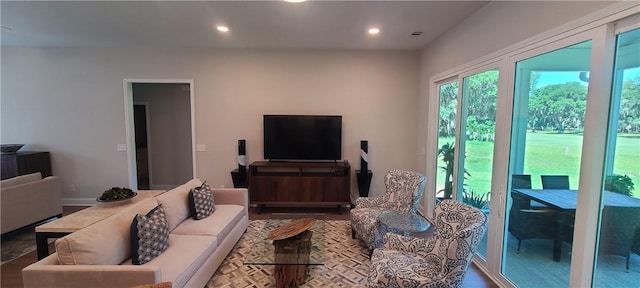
(546,153)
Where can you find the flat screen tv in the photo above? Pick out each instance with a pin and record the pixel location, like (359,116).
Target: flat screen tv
(302,137)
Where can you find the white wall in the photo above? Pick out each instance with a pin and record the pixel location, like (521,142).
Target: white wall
(495,26)
(71,102)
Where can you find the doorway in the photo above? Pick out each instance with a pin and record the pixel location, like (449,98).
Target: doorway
(141,119)
(160,136)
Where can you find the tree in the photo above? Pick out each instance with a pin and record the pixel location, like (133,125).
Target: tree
(447,114)
(629,117)
(558,107)
(482,93)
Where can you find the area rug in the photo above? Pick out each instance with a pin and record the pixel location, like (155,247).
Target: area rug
(20,242)
(17,245)
(346,262)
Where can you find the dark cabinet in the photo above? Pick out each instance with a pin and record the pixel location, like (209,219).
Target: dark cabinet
(303,183)
(21,163)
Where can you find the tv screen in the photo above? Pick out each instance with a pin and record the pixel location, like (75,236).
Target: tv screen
(302,137)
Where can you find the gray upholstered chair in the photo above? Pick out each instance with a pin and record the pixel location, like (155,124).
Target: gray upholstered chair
(403,193)
(439,261)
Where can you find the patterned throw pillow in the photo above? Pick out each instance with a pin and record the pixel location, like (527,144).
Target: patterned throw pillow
(149,236)
(201,201)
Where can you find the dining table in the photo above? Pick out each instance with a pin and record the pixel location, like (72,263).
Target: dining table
(565,202)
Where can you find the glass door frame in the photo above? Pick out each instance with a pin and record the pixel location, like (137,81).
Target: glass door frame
(611,54)
(584,239)
(582,245)
(492,237)
(592,164)
(431,159)
(461,126)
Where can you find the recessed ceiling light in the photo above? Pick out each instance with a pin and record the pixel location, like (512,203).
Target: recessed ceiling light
(223,28)
(295,1)
(374,31)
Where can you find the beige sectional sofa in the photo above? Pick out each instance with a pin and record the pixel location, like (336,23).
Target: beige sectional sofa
(99,255)
(28,199)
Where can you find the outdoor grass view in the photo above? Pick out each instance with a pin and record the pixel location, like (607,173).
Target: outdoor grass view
(554,129)
(547,153)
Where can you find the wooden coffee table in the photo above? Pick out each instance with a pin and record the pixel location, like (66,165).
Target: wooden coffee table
(81,219)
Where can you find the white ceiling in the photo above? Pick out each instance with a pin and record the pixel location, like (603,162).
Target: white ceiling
(253,24)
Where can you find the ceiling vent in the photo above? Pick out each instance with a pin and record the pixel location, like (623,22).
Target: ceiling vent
(417,33)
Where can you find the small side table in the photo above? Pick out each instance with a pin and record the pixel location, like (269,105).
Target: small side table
(400,223)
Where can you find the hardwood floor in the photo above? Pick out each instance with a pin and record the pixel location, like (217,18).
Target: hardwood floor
(11,272)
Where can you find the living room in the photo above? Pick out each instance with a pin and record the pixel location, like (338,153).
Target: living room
(71,101)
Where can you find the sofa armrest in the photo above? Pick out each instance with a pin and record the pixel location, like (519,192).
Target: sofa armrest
(238,196)
(49,273)
(31,202)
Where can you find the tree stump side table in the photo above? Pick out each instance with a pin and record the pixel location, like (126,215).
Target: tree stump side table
(294,249)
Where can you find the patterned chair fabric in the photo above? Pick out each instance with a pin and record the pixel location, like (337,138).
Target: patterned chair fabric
(439,261)
(403,193)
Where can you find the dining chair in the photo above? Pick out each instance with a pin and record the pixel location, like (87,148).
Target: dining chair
(521,181)
(524,181)
(620,232)
(635,244)
(526,223)
(555,181)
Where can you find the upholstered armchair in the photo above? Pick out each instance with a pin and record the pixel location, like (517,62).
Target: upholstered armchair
(439,261)
(403,193)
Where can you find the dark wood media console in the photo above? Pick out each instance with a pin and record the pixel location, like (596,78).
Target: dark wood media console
(299,183)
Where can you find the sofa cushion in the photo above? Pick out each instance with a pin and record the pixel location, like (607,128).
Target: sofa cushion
(149,235)
(185,255)
(176,202)
(20,180)
(105,242)
(219,224)
(201,203)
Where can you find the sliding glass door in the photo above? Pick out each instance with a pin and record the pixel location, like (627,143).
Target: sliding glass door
(618,249)
(477,130)
(549,104)
(545,140)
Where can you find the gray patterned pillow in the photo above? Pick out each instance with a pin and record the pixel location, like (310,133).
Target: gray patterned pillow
(149,236)
(201,202)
